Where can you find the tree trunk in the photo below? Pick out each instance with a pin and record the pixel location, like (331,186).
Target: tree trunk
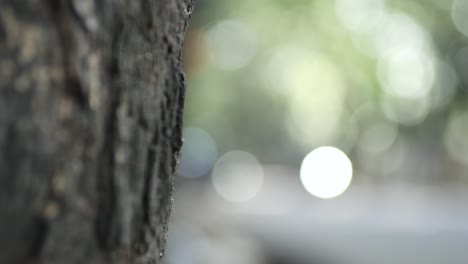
(91,97)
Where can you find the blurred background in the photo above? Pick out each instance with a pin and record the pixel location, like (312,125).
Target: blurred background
(324,131)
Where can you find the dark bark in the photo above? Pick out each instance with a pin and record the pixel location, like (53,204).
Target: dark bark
(91,97)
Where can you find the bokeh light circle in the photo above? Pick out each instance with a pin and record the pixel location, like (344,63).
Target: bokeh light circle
(232,44)
(406,73)
(460,15)
(199,152)
(326,172)
(360,15)
(237,176)
(378,138)
(455,140)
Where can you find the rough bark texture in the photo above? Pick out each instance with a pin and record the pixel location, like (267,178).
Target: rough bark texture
(91,97)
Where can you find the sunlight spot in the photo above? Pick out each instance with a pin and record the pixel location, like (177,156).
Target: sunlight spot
(445,86)
(326,172)
(237,176)
(378,138)
(404,110)
(360,15)
(406,72)
(455,140)
(460,15)
(315,89)
(232,44)
(198,153)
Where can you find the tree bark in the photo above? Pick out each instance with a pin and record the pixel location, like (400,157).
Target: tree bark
(91,98)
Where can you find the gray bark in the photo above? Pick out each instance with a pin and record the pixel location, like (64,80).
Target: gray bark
(91,97)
